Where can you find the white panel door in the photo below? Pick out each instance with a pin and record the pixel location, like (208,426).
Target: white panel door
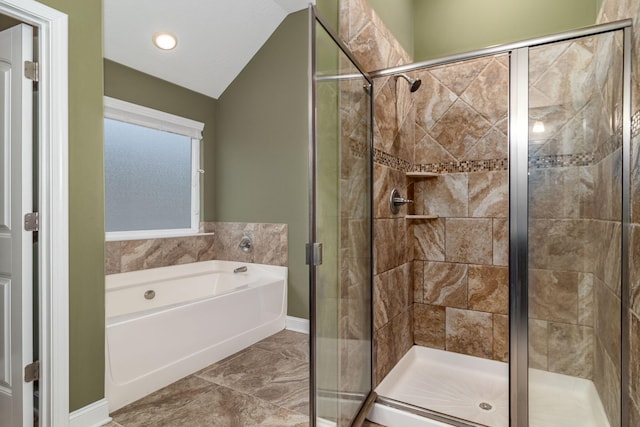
(16,321)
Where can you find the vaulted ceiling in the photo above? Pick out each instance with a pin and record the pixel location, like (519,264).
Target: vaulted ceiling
(216,38)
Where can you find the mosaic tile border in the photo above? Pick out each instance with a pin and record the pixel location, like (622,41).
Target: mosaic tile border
(465,166)
(561,160)
(538,162)
(359,150)
(387,159)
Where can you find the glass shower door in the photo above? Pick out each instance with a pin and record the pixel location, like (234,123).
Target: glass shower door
(574,231)
(340,253)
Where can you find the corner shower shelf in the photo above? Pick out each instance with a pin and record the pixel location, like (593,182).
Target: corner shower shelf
(422,174)
(421,216)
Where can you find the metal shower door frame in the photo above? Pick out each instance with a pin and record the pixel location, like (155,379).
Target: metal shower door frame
(518,200)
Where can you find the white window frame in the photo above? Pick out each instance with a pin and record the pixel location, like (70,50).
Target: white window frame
(127,112)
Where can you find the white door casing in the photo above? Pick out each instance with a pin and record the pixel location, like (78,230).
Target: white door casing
(53,177)
(16,251)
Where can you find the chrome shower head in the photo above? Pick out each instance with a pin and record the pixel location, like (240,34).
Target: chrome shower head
(415,83)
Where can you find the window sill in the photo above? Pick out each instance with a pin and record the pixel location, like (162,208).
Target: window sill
(160,234)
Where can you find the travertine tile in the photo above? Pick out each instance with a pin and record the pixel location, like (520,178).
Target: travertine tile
(428,150)
(607,381)
(142,254)
(493,145)
(634,413)
(429,325)
(287,343)
(418,281)
(178,250)
(569,79)
(269,242)
(385,116)
(402,331)
(113,256)
(457,77)
(164,402)
(469,332)
(370,47)
(489,194)
(469,240)
(444,196)
(431,108)
(385,180)
(488,93)
(607,320)
(500,241)
(391,294)
(501,337)
(553,295)
(634,268)
(394,251)
(489,289)
(561,192)
(586,300)
(285,383)
(571,349)
(429,240)
(538,344)
(634,364)
(445,284)
(557,244)
(383,345)
(635,178)
(459,129)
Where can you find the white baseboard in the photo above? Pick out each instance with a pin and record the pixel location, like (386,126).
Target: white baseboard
(95,414)
(297,324)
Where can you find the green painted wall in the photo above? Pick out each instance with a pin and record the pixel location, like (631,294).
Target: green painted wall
(328,9)
(86,201)
(443,27)
(130,85)
(261,162)
(397,15)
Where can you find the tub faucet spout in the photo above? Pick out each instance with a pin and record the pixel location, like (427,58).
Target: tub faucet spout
(240,269)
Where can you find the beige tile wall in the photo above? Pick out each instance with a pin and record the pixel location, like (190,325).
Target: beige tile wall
(461,290)
(375,47)
(613,10)
(457,289)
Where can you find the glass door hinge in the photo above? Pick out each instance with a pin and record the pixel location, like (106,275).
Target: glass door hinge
(314,253)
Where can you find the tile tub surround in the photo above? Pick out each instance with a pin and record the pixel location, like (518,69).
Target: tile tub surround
(269,247)
(265,384)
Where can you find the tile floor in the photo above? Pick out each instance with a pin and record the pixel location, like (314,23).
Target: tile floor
(266,384)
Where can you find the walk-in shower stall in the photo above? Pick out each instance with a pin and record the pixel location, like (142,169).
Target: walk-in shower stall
(493,293)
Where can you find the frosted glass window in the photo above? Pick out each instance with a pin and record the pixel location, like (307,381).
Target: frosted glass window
(148,178)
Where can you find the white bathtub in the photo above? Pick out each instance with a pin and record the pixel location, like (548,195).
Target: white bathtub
(201,313)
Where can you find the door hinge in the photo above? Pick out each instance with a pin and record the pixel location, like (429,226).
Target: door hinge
(314,253)
(32,70)
(32,372)
(32,221)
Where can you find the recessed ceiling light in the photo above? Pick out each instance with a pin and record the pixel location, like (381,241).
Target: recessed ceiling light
(165,41)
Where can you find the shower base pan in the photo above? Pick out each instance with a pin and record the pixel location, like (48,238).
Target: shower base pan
(477,390)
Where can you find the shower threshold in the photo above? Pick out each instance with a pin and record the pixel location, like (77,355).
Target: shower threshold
(475,389)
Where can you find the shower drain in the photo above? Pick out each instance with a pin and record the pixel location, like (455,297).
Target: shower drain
(485,406)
